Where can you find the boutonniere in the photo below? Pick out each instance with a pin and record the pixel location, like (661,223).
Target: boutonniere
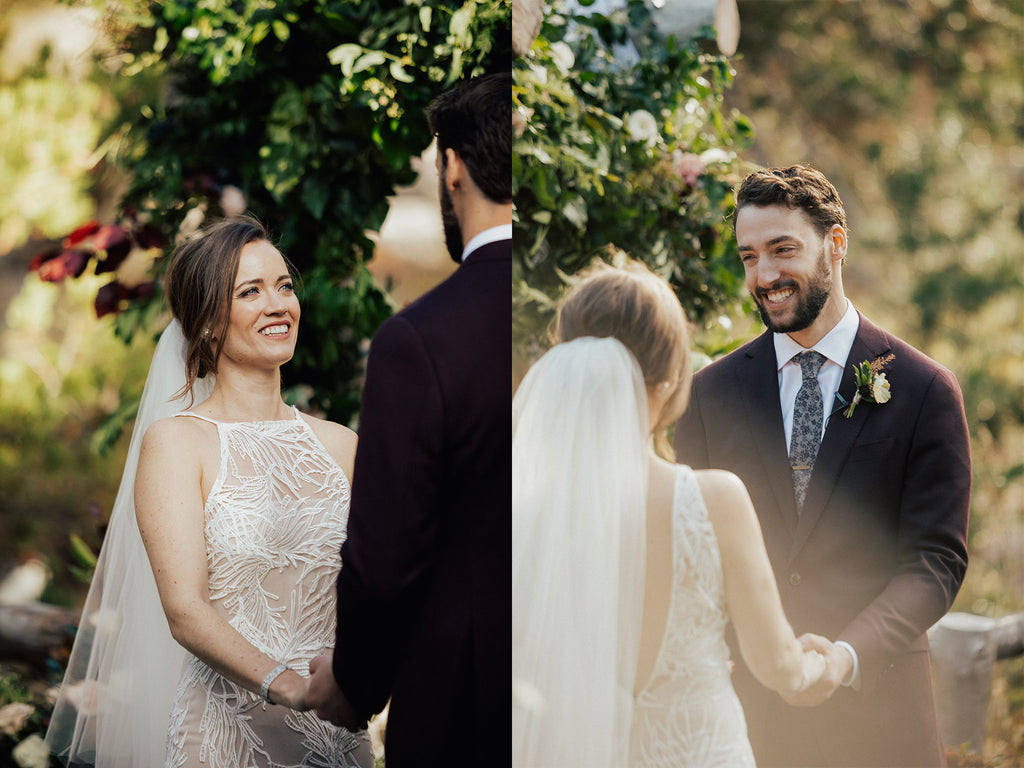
(872,386)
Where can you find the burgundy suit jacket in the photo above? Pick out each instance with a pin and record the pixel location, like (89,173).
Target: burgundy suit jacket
(424,593)
(876,556)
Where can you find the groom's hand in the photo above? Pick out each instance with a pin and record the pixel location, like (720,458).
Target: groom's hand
(326,697)
(838,667)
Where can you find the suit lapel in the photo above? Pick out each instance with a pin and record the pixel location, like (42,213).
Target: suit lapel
(841,433)
(757,376)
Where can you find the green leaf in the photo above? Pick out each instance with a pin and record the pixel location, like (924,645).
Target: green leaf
(82,552)
(315,194)
(576,212)
(281,30)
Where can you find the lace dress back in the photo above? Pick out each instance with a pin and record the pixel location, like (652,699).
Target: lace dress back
(687,715)
(275,522)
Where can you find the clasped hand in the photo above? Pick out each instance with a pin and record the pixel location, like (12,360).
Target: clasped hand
(838,667)
(324,696)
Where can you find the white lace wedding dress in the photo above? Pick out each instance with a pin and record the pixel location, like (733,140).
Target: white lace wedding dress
(275,522)
(687,715)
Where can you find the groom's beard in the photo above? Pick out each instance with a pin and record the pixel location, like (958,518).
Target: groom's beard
(450,222)
(811,299)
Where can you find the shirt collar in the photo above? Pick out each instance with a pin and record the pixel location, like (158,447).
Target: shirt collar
(492,235)
(835,345)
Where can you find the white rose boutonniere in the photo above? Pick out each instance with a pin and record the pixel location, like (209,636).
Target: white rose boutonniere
(872,385)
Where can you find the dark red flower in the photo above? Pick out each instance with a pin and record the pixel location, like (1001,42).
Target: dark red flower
(42,257)
(71,262)
(114,240)
(109,236)
(108,298)
(147,236)
(142,290)
(85,231)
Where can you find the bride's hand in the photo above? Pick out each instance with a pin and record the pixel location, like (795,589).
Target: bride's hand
(812,642)
(290,690)
(837,667)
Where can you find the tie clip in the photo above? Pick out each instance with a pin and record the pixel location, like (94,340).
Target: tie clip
(796,468)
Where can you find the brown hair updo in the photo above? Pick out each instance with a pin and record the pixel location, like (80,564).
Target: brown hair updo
(633,305)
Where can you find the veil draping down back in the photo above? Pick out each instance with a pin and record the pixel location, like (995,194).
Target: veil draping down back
(579,486)
(116,698)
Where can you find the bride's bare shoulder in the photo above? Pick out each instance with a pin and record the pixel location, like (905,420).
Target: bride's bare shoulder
(719,482)
(177,432)
(724,493)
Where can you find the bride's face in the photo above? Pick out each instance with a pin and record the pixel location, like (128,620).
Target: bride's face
(264,312)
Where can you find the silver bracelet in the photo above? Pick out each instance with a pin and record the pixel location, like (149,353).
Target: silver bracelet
(270,678)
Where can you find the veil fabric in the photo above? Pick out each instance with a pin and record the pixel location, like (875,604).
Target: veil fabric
(115,702)
(579,487)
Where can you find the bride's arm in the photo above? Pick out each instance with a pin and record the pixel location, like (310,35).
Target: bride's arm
(169,508)
(767,642)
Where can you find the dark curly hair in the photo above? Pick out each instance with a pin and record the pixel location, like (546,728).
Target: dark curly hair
(798,186)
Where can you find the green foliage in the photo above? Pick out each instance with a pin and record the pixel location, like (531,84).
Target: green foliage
(46,148)
(599,164)
(313,109)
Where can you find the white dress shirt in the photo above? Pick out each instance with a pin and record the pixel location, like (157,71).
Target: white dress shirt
(492,235)
(835,346)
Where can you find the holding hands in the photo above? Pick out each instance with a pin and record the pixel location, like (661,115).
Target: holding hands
(826,668)
(324,696)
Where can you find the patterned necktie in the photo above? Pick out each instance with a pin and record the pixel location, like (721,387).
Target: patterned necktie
(807,417)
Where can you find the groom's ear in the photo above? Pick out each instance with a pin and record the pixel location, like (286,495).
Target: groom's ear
(453,170)
(837,243)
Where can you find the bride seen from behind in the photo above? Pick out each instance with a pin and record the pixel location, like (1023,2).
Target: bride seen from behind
(628,567)
(200,652)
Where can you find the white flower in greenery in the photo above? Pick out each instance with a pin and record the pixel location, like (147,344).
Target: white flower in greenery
(563,57)
(880,389)
(715,155)
(642,127)
(31,753)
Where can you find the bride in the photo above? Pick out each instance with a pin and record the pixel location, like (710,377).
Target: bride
(199,653)
(626,567)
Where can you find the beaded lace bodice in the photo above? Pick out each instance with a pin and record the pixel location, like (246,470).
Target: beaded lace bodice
(687,714)
(274,521)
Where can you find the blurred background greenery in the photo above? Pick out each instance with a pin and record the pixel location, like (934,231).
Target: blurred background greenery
(914,110)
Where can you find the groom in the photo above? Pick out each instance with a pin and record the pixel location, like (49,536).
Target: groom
(863,501)
(424,594)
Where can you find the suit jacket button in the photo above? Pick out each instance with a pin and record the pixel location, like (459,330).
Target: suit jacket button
(794,579)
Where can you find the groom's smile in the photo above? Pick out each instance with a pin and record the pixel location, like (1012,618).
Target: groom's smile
(786,266)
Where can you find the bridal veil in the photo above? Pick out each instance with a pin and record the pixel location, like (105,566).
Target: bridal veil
(579,485)
(115,701)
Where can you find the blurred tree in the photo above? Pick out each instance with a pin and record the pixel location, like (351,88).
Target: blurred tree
(308,112)
(60,371)
(616,152)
